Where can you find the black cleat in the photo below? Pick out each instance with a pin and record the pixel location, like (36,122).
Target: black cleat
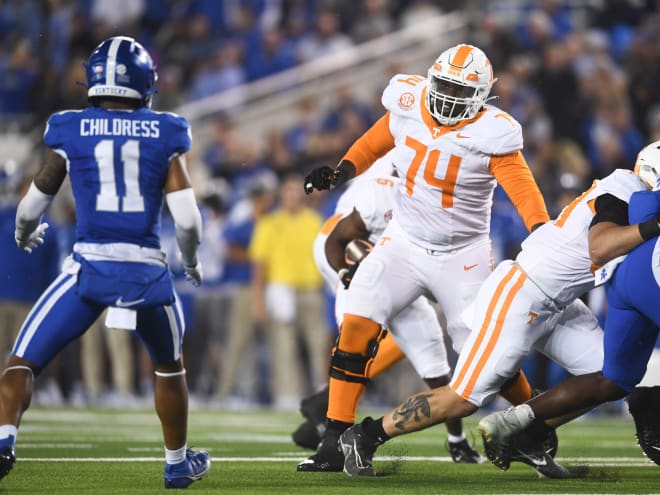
(462,452)
(7,461)
(358,452)
(537,446)
(309,434)
(315,406)
(542,462)
(328,459)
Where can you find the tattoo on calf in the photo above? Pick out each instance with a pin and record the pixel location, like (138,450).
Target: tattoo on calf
(413,409)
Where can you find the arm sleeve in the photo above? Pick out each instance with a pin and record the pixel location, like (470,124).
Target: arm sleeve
(373,144)
(29,211)
(512,172)
(187,223)
(609,208)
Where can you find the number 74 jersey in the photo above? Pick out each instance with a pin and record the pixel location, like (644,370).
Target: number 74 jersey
(448,172)
(118,162)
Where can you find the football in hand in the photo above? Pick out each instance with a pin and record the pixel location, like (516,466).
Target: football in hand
(356,250)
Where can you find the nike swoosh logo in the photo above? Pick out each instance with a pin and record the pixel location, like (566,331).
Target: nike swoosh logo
(534,460)
(469,267)
(461,136)
(120,303)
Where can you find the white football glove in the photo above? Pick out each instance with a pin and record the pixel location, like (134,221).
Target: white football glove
(194,274)
(34,240)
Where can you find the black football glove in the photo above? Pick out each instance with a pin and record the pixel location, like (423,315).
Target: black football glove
(346,274)
(320,178)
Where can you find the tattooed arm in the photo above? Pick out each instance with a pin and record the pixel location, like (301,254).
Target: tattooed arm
(426,409)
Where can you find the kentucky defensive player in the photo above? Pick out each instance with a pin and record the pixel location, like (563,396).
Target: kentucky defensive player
(122,159)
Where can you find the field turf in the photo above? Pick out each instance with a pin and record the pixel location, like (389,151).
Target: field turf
(90,452)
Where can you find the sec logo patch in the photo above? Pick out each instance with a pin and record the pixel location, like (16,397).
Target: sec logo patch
(406,100)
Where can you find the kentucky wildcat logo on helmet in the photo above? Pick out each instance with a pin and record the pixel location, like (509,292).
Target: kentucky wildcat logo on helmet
(120,67)
(458,84)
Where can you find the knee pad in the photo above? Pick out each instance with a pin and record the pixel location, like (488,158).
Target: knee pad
(356,348)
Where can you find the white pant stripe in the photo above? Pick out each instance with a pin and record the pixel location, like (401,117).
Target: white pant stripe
(43,309)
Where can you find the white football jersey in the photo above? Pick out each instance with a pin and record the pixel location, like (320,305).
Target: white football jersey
(556,255)
(373,197)
(445,195)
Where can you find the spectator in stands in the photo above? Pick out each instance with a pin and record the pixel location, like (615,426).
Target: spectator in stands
(287,294)
(241,328)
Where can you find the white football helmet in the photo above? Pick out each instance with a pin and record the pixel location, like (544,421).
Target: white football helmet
(458,84)
(648,164)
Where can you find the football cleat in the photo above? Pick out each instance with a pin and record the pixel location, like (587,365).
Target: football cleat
(327,459)
(496,431)
(309,434)
(541,461)
(7,461)
(194,467)
(358,452)
(463,453)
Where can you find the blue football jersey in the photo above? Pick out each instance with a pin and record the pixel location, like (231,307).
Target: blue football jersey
(117,161)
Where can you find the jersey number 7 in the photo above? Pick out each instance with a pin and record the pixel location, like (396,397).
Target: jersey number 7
(108,199)
(447,184)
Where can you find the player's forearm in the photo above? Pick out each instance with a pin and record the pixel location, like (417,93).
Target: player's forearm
(188,223)
(30,209)
(608,240)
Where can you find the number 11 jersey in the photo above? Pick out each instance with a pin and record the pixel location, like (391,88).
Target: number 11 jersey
(117,162)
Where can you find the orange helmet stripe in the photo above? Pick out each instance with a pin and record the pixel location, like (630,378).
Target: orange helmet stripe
(461,55)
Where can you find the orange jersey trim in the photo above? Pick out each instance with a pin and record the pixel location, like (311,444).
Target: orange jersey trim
(373,144)
(513,173)
(330,224)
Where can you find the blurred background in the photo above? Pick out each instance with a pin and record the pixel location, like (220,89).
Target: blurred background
(273,87)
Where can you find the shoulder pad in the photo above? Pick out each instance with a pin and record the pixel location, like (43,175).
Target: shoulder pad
(403,95)
(495,132)
(622,183)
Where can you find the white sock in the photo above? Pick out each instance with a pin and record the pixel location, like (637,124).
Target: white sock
(8,430)
(175,456)
(455,438)
(524,414)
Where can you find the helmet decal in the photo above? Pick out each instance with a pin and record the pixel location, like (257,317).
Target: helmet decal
(458,84)
(120,67)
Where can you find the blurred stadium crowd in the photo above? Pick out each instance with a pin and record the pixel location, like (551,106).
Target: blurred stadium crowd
(582,77)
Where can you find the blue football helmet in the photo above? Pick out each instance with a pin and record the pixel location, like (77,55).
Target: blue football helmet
(120,67)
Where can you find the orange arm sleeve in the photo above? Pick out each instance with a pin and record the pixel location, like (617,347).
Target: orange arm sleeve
(512,172)
(373,144)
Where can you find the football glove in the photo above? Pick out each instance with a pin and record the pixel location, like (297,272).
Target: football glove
(320,179)
(194,274)
(33,240)
(346,274)
(324,177)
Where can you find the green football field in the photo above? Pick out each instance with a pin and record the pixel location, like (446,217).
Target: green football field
(74,451)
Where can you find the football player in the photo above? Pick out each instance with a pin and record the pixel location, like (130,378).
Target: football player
(529,303)
(361,215)
(450,148)
(122,159)
(631,327)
